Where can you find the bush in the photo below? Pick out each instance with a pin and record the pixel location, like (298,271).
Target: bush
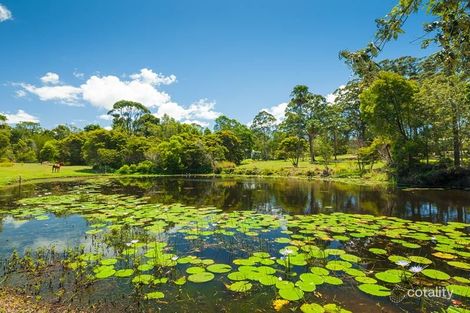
(246,162)
(226,167)
(123,170)
(145,167)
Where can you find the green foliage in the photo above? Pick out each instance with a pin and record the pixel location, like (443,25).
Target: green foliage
(49,151)
(126,115)
(293,148)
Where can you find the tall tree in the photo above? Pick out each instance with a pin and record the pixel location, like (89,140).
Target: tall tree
(445,97)
(263,126)
(389,106)
(126,115)
(304,116)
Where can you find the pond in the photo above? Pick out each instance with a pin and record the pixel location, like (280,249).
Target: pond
(206,244)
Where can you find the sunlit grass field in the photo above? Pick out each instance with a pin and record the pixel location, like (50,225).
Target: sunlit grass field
(344,168)
(11,172)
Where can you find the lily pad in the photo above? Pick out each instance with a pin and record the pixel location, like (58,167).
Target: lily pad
(154,295)
(435,274)
(124,272)
(201,277)
(219,268)
(311,308)
(291,294)
(375,290)
(240,286)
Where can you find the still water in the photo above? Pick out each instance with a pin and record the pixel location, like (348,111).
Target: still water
(279,197)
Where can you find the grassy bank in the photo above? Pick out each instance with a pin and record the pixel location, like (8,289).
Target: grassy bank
(345,169)
(11,172)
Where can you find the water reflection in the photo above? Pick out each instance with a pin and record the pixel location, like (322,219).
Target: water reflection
(275,195)
(303,197)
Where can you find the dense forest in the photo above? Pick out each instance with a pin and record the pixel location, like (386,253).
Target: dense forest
(413,114)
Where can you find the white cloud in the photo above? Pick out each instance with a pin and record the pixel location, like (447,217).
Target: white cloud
(78,74)
(103,91)
(5,14)
(204,109)
(108,127)
(20,116)
(147,76)
(105,117)
(50,78)
(66,94)
(331,97)
(200,123)
(278,111)
(21,93)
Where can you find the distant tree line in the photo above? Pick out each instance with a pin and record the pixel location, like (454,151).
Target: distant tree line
(412,114)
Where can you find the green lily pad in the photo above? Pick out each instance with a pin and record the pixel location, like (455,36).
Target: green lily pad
(180,281)
(365,280)
(333,280)
(338,265)
(201,277)
(319,271)
(124,272)
(144,279)
(240,286)
(105,272)
(463,291)
(154,295)
(375,290)
(312,278)
(237,276)
(219,268)
(391,276)
(291,294)
(305,286)
(435,274)
(378,251)
(419,260)
(461,265)
(268,280)
(311,308)
(195,270)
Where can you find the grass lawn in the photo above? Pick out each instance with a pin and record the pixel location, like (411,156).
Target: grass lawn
(10,172)
(345,168)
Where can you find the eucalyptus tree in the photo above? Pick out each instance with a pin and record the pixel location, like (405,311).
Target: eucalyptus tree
(446,99)
(305,115)
(263,127)
(391,111)
(126,115)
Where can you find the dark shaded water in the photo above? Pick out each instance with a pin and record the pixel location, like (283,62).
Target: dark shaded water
(272,196)
(292,196)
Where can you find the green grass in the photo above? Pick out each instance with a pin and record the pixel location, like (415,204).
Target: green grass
(344,169)
(11,172)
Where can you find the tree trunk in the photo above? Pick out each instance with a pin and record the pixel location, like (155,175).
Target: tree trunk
(335,140)
(310,146)
(456,139)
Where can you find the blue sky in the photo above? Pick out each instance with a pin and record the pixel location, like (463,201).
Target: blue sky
(191,59)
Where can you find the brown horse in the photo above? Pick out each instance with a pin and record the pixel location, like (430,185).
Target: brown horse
(56,167)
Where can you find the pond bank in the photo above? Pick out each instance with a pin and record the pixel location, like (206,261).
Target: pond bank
(14,302)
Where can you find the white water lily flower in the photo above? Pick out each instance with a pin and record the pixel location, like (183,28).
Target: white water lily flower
(416,269)
(280,278)
(128,244)
(174,258)
(287,252)
(134,241)
(403,263)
